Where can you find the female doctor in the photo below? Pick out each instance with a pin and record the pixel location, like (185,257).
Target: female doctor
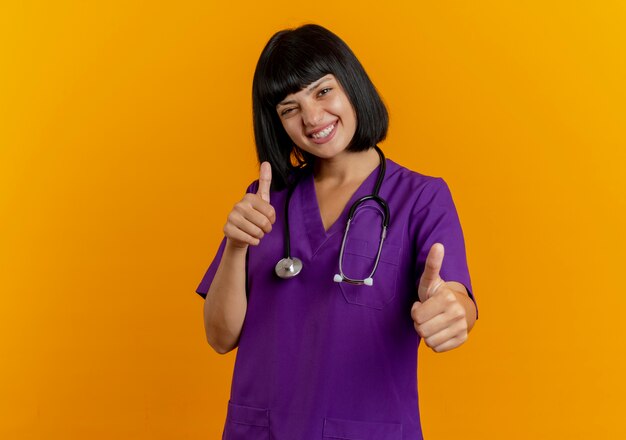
(332,266)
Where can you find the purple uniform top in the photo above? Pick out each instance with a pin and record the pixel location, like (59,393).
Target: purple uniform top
(323,360)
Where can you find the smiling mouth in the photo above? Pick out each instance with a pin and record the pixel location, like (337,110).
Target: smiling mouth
(325,132)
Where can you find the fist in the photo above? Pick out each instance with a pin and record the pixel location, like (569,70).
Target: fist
(253,216)
(439,316)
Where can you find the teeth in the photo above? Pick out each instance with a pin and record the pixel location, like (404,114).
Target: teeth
(325,132)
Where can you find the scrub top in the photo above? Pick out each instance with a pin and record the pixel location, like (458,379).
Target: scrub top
(323,360)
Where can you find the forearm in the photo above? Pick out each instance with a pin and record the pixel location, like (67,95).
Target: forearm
(226,303)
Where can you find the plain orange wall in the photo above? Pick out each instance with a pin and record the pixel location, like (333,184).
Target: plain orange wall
(125,139)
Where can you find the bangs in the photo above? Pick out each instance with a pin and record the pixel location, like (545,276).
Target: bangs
(292,66)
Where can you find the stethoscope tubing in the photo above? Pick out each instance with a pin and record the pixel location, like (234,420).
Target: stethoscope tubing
(289,267)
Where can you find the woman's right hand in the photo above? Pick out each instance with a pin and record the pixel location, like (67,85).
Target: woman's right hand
(253,216)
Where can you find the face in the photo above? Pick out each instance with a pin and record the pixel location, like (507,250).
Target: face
(319,118)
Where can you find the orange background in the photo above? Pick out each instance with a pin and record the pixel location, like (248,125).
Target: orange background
(125,139)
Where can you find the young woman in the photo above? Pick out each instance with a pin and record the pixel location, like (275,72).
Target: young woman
(332,267)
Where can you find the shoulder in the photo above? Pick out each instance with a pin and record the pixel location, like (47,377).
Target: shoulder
(253,187)
(421,188)
(295,176)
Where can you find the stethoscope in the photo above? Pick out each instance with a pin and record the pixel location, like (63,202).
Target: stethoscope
(289,267)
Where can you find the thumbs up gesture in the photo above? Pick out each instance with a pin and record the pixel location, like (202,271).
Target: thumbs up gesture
(253,216)
(439,316)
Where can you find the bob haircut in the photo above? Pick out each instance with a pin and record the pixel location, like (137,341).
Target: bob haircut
(291,60)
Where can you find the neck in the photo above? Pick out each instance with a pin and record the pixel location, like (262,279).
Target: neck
(346,168)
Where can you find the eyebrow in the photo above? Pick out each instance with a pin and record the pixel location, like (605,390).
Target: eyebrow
(309,90)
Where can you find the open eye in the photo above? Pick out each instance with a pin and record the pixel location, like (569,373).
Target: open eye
(324,91)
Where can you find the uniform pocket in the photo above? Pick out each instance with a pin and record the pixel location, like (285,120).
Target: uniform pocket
(353,430)
(358,261)
(246,423)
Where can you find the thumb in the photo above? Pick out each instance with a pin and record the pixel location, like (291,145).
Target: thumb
(265,181)
(430,279)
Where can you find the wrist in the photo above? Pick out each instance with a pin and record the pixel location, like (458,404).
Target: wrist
(234,248)
(469,306)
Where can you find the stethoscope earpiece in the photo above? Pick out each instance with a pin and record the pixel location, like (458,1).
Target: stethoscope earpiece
(369,281)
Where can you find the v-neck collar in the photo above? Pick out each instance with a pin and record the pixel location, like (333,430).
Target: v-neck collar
(312,215)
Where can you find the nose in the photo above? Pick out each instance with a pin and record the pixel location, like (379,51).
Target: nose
(312,114)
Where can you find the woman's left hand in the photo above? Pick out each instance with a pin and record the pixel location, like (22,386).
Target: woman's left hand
(441,316)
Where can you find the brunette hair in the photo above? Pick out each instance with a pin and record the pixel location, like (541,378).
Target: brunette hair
(291,60)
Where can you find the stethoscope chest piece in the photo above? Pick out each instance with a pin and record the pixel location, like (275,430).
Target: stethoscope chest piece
(288,267)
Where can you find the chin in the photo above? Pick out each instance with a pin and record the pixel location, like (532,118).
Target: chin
(324,151)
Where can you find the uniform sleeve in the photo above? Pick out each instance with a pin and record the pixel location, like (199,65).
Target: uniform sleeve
(203,287)
(434,219)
